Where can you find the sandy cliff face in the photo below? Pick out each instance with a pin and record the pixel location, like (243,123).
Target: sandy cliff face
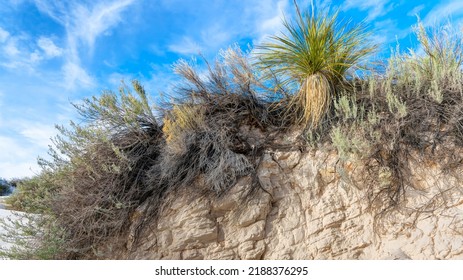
(313,207)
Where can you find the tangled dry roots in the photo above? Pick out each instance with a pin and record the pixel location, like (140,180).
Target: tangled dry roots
(429,131)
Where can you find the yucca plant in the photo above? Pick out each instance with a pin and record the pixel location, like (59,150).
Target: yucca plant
(315,54)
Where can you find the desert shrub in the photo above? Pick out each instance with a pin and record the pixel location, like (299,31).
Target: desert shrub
(413,107)
(33,194)
(351,132)
(316,55)
(429,87)
(98,169)
(32,237)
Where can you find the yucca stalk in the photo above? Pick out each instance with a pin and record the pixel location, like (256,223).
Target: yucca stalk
(315,53)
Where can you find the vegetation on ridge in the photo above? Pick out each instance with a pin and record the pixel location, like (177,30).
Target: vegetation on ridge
(111,176)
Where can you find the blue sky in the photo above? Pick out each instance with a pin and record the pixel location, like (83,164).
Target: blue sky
(56,52)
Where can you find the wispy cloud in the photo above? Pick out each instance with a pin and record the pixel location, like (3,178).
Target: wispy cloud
(18,52)
(11,48)
(3,35)
(23,139)
(266,19)
(15,158)
(37,90)
(84,23)
(74,75)
(253,19)
(38,133)
(1,103)
(387,33)
(49,48)
(185,46)
(444,11)
(416,10)
(374,8)
(89,23)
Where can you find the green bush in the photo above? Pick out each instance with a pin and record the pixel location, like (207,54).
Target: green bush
(32,237)
(33,194)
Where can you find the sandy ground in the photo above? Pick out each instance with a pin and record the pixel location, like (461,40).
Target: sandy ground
(8,216)
(5,214)
(1,202)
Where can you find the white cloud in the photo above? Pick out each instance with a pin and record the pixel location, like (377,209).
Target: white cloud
(35,57)
(20,52)
(1,104)
(185,46)
(57,10)
(416,10)
(22,140)
(92,23)
(39,134)
(375,8)
(11,48)
(74,76)
(3,35)
(226,24)
(16,159)
(387,32)
(115,79)
(84,22)
(21,169)
(267,19)
(49,48)
(444,11)
(214,36)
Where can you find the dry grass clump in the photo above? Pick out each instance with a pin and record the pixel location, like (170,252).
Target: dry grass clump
(182,118)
